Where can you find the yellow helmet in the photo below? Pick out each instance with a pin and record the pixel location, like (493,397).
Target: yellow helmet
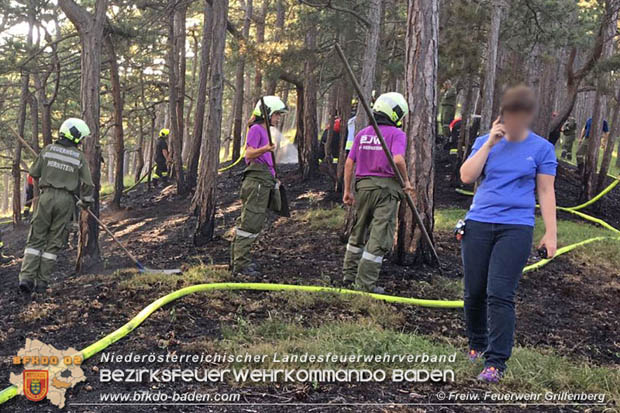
(164,133)
(393,105)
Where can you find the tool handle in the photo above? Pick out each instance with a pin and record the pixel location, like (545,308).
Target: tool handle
(375,126)
(263,109)
(106,229)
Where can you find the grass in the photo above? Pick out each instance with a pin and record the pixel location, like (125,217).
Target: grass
(613,169)
(569,232)
(136,281)
(108,188)
(529,369)
(324,218)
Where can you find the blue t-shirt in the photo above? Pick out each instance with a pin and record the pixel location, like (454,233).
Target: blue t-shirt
(506,194)
(589,126)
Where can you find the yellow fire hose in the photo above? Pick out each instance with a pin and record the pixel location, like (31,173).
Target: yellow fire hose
(233,164)
(135,322)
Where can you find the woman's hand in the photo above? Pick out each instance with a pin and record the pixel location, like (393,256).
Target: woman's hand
(270,147)
(497,132)
(348,198)
(550,242)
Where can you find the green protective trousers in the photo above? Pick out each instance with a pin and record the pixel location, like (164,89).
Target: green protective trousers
(377,202)
(48,234)
(255,191)
(567,145)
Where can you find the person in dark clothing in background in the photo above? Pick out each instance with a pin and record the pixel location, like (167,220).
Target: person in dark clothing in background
(162,156)
(335,146)
(29,195)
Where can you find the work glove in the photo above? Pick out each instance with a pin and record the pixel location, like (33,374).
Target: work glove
(83,204)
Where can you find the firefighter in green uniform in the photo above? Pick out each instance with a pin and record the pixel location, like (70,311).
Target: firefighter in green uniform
(62,171)
(378,193)
(258,180)
(448,107)
(569,130)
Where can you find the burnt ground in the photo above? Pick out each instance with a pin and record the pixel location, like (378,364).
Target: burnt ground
(567,305)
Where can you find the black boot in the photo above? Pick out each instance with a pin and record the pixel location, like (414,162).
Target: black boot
(26,286)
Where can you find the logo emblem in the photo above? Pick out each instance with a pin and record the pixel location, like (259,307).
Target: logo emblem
(36,384)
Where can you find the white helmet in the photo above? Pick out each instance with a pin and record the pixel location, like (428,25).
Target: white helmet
(393,105)
(274,105)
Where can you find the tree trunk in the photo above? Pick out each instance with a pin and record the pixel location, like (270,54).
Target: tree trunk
(239,86)
(464,138)
(180,37)
(140,153)
(609,147)
(204,201)
(199,116)
(491,65)
(260,39)
(590,182)
(309,161)
(17,155)
(175,134)
(119,141)
(369,61)
(420,85)
(90,28)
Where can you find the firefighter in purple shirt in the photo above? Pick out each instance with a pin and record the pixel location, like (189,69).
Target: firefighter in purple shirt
(378,193)
(258,180)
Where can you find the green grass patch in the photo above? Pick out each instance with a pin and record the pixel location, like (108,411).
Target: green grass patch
(324,218)
(613,169)
(136,281)
(108,188)
(529,369)
(569,232)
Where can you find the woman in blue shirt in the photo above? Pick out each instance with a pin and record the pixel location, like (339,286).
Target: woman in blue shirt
(513,165)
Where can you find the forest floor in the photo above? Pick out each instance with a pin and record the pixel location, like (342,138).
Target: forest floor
(566,337)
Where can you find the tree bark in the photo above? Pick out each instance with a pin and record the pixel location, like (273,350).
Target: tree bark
(179,45)
(239,85)
(175,133)
(598,117)
(199,116)
(491,65)
(369,61)
(309,160)
(420,85)
(609,147)
(140,150)
(204,202)
(119,140)
(90,28)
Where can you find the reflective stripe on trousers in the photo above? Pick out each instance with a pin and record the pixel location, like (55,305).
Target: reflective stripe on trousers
(353,249)
(49,256)
(374,258)
(32,251)
(245,234)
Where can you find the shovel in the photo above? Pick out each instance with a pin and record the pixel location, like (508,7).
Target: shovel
(284,209)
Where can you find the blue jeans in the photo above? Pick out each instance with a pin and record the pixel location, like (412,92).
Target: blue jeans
(493,259)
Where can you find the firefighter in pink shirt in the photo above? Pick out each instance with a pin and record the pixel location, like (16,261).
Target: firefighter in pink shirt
(378,192)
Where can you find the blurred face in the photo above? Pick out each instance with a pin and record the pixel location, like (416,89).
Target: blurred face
(275,118)
(517,123)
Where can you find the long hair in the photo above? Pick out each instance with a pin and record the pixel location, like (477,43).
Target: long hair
(254,119)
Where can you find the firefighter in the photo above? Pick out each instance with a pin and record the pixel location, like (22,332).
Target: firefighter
(62,171)
(258,180)
(378,193)
(569,130)
(448,107)
(162,156)
(29,195)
